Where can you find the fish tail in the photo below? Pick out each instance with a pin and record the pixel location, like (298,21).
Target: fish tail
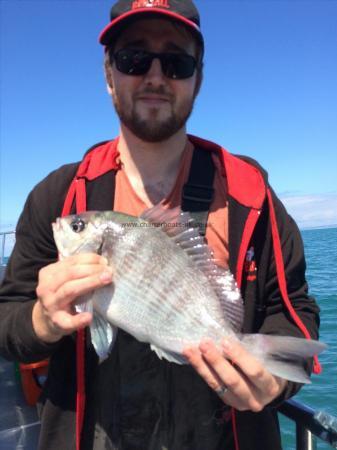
(283,356)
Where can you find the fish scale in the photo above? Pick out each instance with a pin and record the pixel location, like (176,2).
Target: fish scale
(167,267)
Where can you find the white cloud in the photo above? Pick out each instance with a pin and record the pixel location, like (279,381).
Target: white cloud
(317,210)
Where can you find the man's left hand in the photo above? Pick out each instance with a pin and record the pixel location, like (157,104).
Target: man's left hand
(239,379)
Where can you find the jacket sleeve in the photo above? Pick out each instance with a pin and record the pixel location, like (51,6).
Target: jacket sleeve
(34,248)
(277,319)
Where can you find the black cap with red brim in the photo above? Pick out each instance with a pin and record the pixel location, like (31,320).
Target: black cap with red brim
(125,11)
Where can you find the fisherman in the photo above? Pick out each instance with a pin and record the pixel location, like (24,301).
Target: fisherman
(224,399)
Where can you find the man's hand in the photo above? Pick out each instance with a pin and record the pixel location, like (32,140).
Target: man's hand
(239,379)
(59,285)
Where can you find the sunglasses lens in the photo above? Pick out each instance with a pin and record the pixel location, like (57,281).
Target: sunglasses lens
(132,62)
(178,66)
(138,62)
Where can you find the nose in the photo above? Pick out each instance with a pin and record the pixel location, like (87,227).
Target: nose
(155,74)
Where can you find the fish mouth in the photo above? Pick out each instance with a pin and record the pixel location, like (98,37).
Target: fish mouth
(56,225)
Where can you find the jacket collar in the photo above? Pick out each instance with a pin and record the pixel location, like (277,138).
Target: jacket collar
(245,182)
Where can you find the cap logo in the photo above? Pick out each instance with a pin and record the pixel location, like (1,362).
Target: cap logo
(150,4)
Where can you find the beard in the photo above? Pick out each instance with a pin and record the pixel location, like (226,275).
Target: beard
(153,128)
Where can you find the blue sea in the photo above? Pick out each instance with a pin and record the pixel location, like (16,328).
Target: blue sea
(321,256)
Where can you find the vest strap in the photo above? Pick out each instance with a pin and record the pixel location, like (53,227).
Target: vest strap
(198,192)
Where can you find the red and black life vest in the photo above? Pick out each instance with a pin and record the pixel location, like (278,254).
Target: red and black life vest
(245,184)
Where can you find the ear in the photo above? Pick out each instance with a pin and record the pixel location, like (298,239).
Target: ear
(109,89)
(109,82)
(108,74)
(198,83)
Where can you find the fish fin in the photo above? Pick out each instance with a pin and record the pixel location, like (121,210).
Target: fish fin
(283,356)
(169,356)
(177,225)
(291,370)
(84,304)
(160,215)
(103,336)
(229,295)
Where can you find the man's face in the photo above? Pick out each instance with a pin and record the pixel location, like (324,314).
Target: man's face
(153,106)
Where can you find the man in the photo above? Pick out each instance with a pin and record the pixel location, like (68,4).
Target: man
(225,398)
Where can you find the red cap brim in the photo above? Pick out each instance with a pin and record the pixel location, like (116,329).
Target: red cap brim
(109,31)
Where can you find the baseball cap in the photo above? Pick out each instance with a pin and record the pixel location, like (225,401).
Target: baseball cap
(124,11)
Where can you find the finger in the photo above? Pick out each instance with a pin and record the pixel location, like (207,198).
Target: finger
(67,323)
(217,384)
(77,272)
(195,358)
(73,289)
(80,259)
(250,366)
(238,378)
(50,281)
(54,275)
(239,389)
(85,258)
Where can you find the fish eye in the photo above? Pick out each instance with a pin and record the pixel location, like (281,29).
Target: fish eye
(77,225)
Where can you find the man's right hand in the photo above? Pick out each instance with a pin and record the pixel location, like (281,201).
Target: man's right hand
(59,286)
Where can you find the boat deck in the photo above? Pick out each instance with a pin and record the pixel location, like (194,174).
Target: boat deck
(19,424)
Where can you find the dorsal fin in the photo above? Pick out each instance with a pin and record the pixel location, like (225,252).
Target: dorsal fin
(178,226)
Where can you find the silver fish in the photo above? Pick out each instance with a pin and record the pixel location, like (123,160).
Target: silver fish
(168,290)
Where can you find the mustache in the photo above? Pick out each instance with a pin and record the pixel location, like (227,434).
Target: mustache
(161,90)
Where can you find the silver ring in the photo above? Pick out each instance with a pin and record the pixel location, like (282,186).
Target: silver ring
(221,390)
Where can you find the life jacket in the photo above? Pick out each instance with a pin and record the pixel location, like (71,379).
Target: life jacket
(245,184)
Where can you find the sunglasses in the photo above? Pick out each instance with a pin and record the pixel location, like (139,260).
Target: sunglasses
(176,66)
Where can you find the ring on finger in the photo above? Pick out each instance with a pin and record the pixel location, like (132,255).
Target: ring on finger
(221,390)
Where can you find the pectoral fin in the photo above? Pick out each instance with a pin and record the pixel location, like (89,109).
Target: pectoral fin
(169,356)
(103,336)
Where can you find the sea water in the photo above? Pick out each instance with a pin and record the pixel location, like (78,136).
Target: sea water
(321,256)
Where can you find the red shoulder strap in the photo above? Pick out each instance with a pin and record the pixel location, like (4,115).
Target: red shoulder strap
(98,161)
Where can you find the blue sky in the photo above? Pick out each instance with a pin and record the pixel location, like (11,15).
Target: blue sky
(269,91)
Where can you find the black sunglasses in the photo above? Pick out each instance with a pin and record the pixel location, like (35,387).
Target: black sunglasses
(177,66)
